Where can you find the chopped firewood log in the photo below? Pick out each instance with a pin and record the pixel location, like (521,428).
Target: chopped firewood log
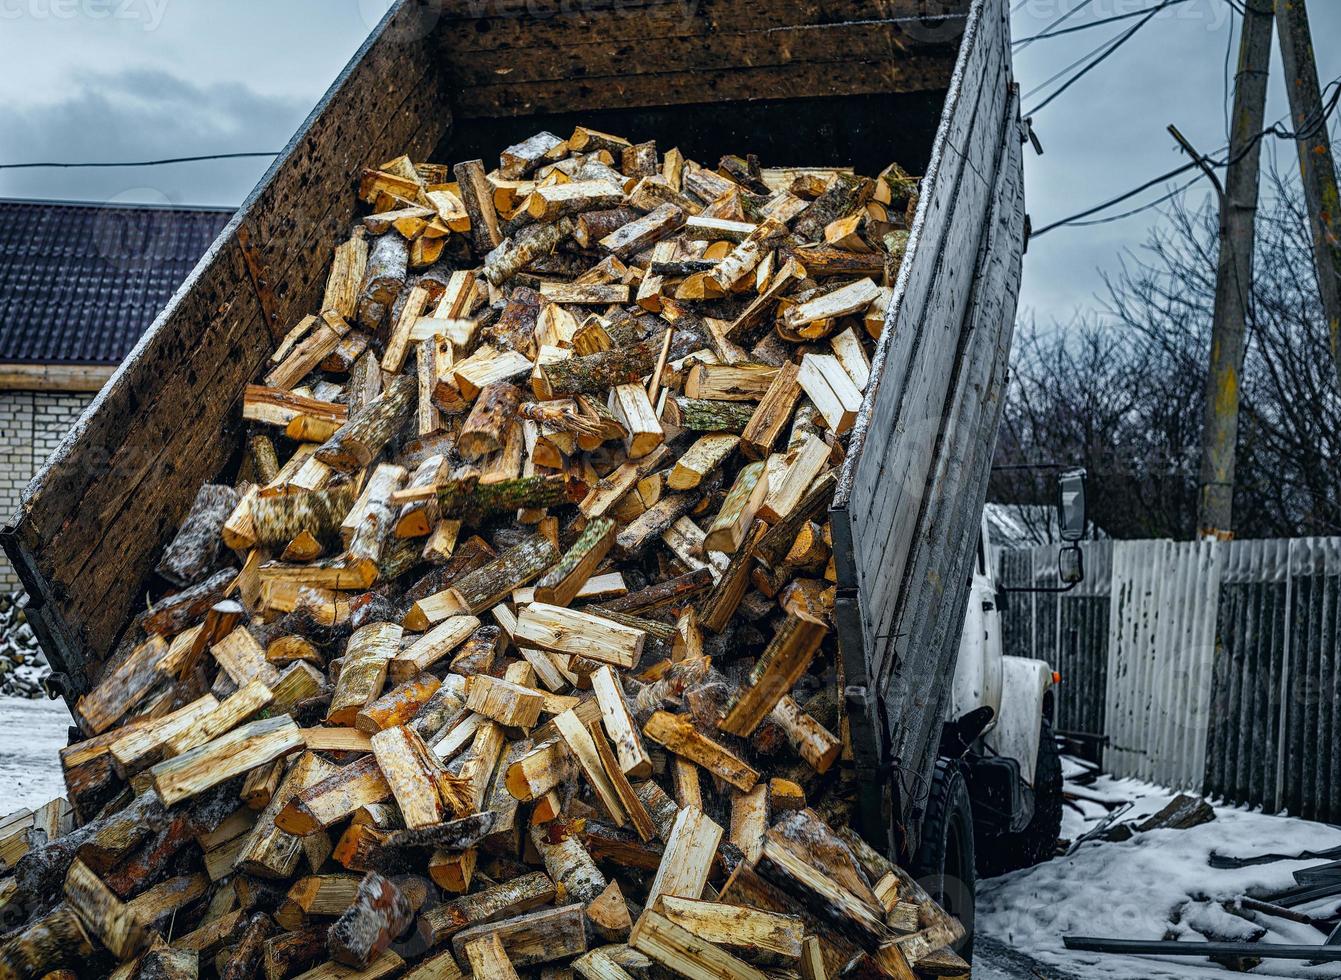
(494,411)
(334,798)
(516,252)
(609,914)
(383,277)
(704,456)
(229,755)
(730,383)
(788,655)
(680,951)
(424,791)
(512,898)
(364,671)
(728,530)
(504,702)
(488,958)
(359,441)
(811,740)
(563,583)
(645,232)
(597,373)
(379,914)
(279,519)
(679,735)
(619,724)
(321,337)
(690,849)
(194,553)
(772,414)
(755,935)
(567,861)
(784,494)
(399,705)
(579,633)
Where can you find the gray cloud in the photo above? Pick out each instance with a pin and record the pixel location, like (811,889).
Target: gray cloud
(144,114)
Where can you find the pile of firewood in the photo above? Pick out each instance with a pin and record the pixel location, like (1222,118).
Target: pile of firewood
(522,659)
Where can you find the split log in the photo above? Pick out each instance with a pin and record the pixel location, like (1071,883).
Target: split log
(485,587)
(568,863)
(763,937)
(598,373)
(364,671)
(424,791)
(494,411)
(562,583)
(787,657)
(334,798)
(688,858)
(215,762)
(399,705)
(513,898)
(579,633)
(535,937)
(279,519)
(728,530)
(678,734)
(478,200)
(489,958)
(245,953)
(682,952)
(504,702)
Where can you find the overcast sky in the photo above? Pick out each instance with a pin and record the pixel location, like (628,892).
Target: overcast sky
(136,79)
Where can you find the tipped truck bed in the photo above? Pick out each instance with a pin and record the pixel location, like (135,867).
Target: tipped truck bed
(852,82)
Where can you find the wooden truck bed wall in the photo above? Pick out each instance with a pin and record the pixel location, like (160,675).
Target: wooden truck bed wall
(805,82)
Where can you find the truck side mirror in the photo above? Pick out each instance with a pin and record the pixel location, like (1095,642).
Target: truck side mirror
(1071,517)
(1071,565)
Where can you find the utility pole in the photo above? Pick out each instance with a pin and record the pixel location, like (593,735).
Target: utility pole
(1316,165)
(1234,274)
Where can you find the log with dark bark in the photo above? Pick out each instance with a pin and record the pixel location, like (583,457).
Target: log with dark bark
(358,442)
(383,279)
(378,916)
(195,552)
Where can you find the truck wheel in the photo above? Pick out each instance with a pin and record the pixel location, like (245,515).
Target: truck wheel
(944,864)
(1038,841)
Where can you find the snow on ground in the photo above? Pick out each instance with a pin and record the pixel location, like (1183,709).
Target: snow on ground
(32,732)
(1159,885)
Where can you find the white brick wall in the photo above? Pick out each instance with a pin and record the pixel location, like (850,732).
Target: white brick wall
(31,426)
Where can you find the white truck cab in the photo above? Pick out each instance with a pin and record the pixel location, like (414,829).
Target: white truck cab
(996,801)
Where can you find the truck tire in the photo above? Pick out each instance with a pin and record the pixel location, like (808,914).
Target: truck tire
(1000,853)
(944,864)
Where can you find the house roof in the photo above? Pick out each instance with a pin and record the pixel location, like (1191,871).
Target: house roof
(79,283)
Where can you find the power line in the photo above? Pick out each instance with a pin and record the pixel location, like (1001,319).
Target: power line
(1135,211)
(1113,47)
(137,163)
(1064,17)
(1046,33)
(1304,132)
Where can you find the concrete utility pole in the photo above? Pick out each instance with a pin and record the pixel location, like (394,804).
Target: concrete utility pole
(1316,165)
(1234,275)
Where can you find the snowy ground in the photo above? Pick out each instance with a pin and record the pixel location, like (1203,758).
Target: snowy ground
(1159,885)
(31,733)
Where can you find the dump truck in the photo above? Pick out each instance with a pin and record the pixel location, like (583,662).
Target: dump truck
(855,83)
